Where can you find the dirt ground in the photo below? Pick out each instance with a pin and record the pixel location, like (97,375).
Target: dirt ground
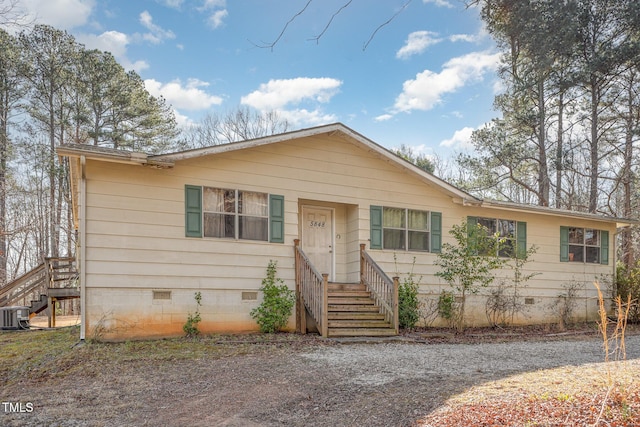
(293,380)
(61,321)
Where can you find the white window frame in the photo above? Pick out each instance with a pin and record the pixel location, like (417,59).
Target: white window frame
(584,245)
(236,214)
(407,230)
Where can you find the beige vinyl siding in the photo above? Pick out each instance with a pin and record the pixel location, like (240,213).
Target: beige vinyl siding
(135,238)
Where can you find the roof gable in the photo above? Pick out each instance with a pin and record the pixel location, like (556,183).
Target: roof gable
(337,130)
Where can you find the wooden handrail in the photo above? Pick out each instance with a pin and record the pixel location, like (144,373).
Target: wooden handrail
(19,288)
(312,289)
(52,273)
(383,289)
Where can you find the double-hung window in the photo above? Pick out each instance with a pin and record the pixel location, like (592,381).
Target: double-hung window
(233,214)
(405,229)
(585,245)
(508,237)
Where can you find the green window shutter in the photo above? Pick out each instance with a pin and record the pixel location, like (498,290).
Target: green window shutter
(375,220)
(564,244)
(604,247)
(436,232)
(276,218)
(193,211)
(521,239)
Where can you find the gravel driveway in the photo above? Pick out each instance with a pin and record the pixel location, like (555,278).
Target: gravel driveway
(343,384)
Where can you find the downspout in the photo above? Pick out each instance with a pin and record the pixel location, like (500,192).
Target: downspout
(82,249)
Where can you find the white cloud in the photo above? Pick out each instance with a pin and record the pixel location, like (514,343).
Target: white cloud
(216,19)
(285,95)
(114,42)
(189,96)
(278,93)
(62,14)
(212,4)
(417,42)
(181,120)
(426,90)
(174,4)
(306,117)
(439,3)
(156,33)
(461,139)
(383,117)
(470,38)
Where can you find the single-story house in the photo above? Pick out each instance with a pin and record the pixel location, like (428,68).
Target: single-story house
(331,207)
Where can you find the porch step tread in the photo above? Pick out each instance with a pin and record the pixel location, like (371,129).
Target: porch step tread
(358,324)
(361,332)
(346,287)
(350,300)
(357,315)
(344,294)
(353,308)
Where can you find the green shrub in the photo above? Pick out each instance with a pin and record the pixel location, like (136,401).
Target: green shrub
(190,328)
(628,284)
(408,303)
(447,306)
(277,304)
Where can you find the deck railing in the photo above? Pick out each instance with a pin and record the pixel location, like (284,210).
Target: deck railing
(52,273)
(383,289)
(312,292)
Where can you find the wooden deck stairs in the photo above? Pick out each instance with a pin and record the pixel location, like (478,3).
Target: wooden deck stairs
(352,312)
(53,280)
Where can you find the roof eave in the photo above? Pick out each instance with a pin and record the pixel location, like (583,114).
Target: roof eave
(543,210)
(114,156)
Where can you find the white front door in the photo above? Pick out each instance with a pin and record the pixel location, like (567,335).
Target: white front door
(317,238)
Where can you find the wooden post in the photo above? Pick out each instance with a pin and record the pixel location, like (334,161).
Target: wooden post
(50,310)
(53,312)
(325,305)
(396,321)
(362,246)
(303,316)
(299,306)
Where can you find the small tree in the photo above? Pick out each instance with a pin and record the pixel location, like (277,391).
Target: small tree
(278,302)
(467,265)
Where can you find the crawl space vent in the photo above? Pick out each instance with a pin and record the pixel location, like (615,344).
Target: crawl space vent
(249,296)
(162,295)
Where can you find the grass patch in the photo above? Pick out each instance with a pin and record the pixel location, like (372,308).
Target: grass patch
(40,355)
(33,354)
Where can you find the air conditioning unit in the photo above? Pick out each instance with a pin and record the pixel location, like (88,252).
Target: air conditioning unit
(16,317)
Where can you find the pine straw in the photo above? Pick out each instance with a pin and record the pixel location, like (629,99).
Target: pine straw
(591,395)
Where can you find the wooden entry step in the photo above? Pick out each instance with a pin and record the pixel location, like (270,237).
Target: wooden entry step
(353,312)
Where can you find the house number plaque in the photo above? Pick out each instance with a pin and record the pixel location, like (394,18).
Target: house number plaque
(317,224)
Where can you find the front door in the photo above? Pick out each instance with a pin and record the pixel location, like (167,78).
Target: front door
(317,238)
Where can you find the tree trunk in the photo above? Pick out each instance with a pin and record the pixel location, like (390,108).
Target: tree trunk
(628,256)
(593,147)
(560,151)
(543,170)
(4,142)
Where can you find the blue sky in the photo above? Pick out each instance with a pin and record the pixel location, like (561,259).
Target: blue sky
(426,79)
